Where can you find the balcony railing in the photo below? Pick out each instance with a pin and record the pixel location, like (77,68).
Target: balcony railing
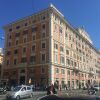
(91,73)
(97,65)
(76,69)
(22,64)
(31,63)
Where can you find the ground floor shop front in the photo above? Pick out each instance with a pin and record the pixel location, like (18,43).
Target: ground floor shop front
(41,76)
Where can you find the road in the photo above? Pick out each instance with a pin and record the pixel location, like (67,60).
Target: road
(38,95)
(35,97)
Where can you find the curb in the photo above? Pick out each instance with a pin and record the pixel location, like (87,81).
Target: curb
(36,93)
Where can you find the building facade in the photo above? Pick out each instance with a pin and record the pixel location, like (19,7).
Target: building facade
(45,48)
(1,62)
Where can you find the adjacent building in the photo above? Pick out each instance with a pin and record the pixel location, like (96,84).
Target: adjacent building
(1,62)
(45,48)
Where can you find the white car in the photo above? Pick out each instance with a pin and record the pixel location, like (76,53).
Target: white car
(20,92)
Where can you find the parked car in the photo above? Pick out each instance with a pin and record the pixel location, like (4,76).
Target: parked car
(3,90)
(96,87)
(20,92)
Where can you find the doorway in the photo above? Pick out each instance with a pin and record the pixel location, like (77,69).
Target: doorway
(22,80)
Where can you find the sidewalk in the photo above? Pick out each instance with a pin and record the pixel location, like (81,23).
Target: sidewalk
(39,92)
(70,92)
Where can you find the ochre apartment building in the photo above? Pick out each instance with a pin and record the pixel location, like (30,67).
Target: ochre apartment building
(45,48)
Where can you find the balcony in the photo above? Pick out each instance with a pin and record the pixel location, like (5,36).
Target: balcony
(76,69)
(97,65)
(22,64)
(91,73)
(31,63)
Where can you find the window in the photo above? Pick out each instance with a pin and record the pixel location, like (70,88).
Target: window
(23,60)
(43,45)
(57,70)
(22,71)
(17,42)
(56,58)
(75,64)
(34,29)
(8,53)
(60,22)
(61,49)
(15,61)
(73,40)
(17,34)
(42,70)
(62,60)
(43,58)
(43,26)
(67,52)
(43,35)
(68,61)
(34,21)
(80,58)
(9,36)
(25,32)
(28,88)
(74,55)
(60,30)
(68,72)
(69,84)
(33,48)
(8,62)
(24,50)
(9,44)
(82,75)
(10,29)
(23,89)
(72,73)
(26,24)
(17,27)
(71,45)
(24,40)
(43,18)
(66,35)
(82,46)
(33,37)
(70,37)
(62,71)
(55,46)
(33,59)
(71,62)
(72,84)
(16,51)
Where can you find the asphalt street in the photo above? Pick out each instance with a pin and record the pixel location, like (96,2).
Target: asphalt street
(38,95)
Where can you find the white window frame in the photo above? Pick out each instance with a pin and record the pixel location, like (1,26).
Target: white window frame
(41,57)
(34,35)
(42,43)
(31,48)
(56,57)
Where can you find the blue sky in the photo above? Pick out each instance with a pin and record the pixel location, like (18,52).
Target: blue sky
(77,12)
